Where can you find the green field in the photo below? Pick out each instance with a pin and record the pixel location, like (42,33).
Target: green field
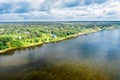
(23,35)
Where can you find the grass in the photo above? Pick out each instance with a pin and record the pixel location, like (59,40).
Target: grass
(46,37)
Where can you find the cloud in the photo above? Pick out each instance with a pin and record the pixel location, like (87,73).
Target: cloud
(59,10)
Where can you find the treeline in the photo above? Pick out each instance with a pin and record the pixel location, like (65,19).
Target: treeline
(8,42)
(18,35)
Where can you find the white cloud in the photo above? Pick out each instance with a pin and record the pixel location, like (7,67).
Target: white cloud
(62,10)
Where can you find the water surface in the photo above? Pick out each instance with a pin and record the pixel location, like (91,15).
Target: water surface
(101,48)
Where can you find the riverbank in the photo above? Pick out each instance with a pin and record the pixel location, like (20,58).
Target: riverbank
(54,40)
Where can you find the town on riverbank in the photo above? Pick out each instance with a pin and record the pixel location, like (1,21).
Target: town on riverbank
(16,35)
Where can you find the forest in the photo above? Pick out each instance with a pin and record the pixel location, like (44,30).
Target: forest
(14,35)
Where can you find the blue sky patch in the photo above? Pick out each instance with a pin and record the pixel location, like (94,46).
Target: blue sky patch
(5,8)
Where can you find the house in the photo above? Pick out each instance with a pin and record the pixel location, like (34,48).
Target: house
(54,35)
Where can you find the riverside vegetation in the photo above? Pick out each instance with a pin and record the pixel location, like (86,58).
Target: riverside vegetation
(27,34)
(16,35)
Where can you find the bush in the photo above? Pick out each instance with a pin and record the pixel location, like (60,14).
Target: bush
(15,43)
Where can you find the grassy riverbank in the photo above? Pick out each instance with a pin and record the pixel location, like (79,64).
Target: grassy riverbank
(48,40)
(13,36)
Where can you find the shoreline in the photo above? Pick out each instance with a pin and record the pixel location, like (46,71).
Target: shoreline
(61,39)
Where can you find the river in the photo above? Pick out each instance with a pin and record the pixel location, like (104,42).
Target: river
(100,48)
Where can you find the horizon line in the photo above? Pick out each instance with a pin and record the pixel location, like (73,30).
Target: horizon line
(68,21)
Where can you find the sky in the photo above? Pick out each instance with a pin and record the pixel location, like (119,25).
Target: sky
(59,10)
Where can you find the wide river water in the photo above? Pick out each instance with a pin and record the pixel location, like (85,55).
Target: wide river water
(100,48)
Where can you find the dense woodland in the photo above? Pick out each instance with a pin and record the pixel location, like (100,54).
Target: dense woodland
(14,35)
